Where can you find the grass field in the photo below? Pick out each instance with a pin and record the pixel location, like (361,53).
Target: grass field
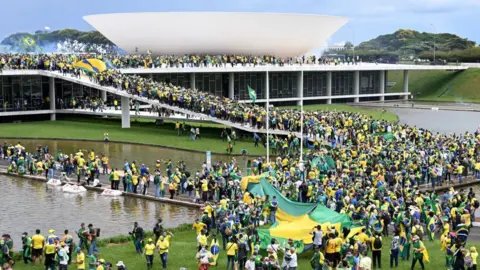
(445,86)
(375,113)
(183,249)
(140,132)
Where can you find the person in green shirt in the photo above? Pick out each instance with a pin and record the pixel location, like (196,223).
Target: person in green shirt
(92,260)
(418,249)
(317,259)
(156,182)
(82,236)
(27,248)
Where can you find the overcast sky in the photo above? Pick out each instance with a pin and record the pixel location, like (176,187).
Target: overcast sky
(368,18)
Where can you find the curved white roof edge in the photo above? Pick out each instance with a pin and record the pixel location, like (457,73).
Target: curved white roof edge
(179,33)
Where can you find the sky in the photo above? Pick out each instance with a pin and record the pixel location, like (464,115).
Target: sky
(367,18)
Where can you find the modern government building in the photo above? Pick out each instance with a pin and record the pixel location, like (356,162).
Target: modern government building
(217,33)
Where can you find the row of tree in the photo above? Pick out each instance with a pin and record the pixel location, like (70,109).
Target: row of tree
(471,55)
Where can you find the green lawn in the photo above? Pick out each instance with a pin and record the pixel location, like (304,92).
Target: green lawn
(183,249)
(439,85)
(140,132)
(375,113)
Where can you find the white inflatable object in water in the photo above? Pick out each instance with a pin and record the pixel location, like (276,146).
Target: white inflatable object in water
(111,192)
(54,182)
(73,188)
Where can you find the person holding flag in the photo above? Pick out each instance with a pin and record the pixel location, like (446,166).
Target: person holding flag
(420,253)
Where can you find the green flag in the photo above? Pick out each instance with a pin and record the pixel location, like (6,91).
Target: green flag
(252,94)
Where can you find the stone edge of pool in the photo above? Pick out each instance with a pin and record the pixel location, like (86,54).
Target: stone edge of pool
(101,189)
(132,143)
(470,182)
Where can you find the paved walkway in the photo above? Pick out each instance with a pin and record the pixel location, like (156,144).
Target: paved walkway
(469,107)
(133,114)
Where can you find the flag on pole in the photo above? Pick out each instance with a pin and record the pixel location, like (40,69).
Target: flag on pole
(252,94)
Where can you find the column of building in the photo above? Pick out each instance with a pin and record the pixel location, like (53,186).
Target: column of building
(231,85)
(405,84)
(125,104)
(356,86)
(299,87)
(382,84)
(51,95)
(329,87)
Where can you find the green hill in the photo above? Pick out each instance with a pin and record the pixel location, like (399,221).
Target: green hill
(439,85)
(28,42)
(415,42)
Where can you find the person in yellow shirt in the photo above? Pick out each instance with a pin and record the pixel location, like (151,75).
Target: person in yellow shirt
(474,256)
(232,249)
(198,226)
(101,264)
(80,262)
(105,164)
(38,242)
(162,245)
(376,241)
(363,237)
(330,249)
(50,249)
(149,249)
(172,188)
(202,240)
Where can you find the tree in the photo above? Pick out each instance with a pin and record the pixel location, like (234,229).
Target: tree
(348,45)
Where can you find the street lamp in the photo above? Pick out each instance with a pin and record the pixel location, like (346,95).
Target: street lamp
(434,31)
(353,42)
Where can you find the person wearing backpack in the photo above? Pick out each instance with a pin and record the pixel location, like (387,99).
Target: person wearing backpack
(376,241)
(417,229)
(394,249)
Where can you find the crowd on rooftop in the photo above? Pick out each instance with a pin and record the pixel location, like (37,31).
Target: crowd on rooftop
(66,61)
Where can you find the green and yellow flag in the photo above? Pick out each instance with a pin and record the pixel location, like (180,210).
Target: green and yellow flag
(252,94)
(28,41)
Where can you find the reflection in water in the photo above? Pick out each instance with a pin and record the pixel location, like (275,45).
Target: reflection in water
(49,207)
(118,152)
(440,121)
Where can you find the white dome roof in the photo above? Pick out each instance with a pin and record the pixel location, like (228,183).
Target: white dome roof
(216,33)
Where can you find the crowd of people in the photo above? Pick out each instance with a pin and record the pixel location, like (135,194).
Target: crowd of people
(66,61)
(56,252)
(373,178)
(382,175)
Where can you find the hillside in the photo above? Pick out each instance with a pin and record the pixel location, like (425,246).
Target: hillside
(415,42)
(44,40)
(462,86)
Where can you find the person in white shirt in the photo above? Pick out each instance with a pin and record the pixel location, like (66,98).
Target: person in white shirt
(250,264)
(317,236)
(365,262)
(63,257)
(96,183)
(290,260)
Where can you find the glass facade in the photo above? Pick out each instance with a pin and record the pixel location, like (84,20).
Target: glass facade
(369,82)
(181,79)
(314,84)
(23,93)
(65,90)
(283,84)
(342,83)
(255,80)
(209,82)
